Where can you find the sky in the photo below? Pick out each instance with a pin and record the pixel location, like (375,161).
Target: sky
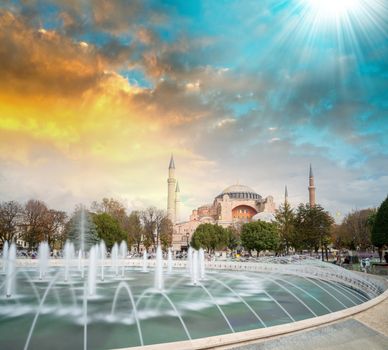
(96,95)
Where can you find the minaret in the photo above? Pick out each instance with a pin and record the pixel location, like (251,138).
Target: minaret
(285,195)
(311,188)
(177,202)
(171,181)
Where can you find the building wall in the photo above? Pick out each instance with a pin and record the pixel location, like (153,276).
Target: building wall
(243,212)
(224,211)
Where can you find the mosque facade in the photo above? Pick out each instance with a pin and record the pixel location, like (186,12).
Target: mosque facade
(234,206)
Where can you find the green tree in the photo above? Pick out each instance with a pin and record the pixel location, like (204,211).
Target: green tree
(166,232)
(312,228)
(114,208)
(259,236)
(285,218)
(108,228)
(379,235)
(201,236)
(372,219)
(220,239)
(233,237)
(134,230)
(209,236)
(81,223)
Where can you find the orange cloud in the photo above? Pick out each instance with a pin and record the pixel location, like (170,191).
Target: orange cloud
(69,122)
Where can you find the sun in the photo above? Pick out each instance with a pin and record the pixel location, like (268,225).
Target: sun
(334,9)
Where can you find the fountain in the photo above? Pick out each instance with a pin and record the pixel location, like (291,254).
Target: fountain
(5,256)
(10,278)
(82,231)
(68,257)
(201,257)
(169,261)
(189,260)
(92,272)
(142,310)
(43,258)
(123,255)
(102,258)
(145,269)
(159,269)
(115,258)
(194,268)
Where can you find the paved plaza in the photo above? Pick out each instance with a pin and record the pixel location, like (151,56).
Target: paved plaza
(366,330)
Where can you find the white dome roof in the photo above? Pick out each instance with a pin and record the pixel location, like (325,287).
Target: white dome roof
(238,188)
(264,216)
(240,192)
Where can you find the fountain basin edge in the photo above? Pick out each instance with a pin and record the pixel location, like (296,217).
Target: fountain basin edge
(245,337)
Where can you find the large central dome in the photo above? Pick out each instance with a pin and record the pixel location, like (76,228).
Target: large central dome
(240,191)
(237,188)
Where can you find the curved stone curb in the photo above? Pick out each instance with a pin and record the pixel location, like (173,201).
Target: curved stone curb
(240,338)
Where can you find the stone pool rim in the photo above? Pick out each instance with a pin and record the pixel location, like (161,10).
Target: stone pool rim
(243,337)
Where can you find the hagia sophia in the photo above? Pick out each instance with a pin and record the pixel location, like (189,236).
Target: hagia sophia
(235,205)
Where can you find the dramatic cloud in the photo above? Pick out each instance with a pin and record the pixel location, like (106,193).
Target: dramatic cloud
(94,96)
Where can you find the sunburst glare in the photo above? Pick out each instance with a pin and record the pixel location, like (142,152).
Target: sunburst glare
(334,9)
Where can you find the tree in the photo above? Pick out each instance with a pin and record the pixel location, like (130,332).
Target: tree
(166,232)
(113,207)
(34,222)
(108,228)
(338,237)
(233,237)
(285,219)
(10,215)
(312,228)
(209,236)
(372,220)
(53,228)
(380,228)
(259,236)
(152,219)
(134,230)
(202,236)
(220,239)
(356,229)
(81,230)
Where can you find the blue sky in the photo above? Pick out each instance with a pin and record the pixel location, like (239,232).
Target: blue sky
(247,90)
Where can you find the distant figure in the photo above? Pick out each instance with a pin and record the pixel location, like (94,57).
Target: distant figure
(338,262)
(365,265)
(386,257)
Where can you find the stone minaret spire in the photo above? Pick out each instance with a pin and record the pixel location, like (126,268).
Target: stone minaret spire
(311,188)
(285,195)
(171,185)
(177,202)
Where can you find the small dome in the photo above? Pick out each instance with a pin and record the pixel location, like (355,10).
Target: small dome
(264,216)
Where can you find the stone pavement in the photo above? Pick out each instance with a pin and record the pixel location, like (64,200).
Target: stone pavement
(366,330)
(344,335)
(376,317)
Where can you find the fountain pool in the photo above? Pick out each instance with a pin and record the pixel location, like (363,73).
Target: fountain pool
(105,309)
